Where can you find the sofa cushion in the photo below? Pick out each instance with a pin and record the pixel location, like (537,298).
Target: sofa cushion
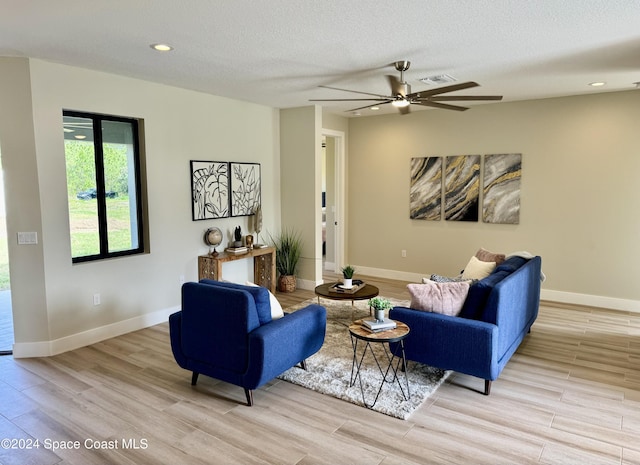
(477,269)
(473,306)
(260,296)
(485,256)
(511,264)
(445,298)
(276,308)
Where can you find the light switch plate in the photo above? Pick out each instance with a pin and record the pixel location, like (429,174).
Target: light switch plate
(27,238)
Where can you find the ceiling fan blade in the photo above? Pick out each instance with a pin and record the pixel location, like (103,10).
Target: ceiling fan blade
(347,99)
(356,92)
(442,90)
(443,106)
(442,98)
(369,106)
(397,88)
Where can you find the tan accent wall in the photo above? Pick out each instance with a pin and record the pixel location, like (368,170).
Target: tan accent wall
(579,197)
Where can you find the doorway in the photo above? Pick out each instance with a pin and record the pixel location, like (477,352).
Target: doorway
(333,199)
(6,311)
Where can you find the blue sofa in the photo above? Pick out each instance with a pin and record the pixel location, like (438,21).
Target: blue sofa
(496,316)
(225,331)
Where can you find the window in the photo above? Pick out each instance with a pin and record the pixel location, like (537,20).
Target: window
(103,185)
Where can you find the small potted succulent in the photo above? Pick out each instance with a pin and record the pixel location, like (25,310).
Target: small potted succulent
(379,305)
(347,274)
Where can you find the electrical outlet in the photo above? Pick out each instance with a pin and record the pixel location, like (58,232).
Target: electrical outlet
(404,254)
(96,299)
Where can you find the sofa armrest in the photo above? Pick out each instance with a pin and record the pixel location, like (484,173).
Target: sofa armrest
(277,346)
(450,343)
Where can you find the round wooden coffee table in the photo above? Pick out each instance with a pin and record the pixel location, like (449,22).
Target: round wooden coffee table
(367,292)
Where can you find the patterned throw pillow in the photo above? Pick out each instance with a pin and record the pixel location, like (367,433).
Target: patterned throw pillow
(436,278)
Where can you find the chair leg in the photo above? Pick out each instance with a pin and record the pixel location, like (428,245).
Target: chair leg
(303,365)
(249,394)
(487,387)
(194,378)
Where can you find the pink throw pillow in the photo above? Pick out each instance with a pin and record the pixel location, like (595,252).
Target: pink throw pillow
(445,298)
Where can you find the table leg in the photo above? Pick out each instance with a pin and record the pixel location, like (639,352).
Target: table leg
(356,366)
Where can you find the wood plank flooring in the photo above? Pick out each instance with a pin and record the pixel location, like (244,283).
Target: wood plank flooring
(570,395)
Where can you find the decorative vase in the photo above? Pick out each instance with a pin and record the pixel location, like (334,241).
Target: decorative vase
(347,282)
(249,241)
(287,283)
(379,314)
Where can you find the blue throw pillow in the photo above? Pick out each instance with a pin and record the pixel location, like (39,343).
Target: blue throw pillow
(260,296)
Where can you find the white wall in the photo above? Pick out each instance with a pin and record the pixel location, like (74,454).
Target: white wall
(180,125)
(579,196)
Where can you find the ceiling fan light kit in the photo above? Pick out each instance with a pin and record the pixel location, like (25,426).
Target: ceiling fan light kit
(402,98)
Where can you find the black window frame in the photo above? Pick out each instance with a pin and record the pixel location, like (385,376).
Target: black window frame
(101,198)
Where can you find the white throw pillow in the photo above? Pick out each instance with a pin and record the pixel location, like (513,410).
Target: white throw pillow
(445,298)
(276,308)
(477,269)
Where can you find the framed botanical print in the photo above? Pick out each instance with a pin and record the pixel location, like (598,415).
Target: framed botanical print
(245,188)
(209,189)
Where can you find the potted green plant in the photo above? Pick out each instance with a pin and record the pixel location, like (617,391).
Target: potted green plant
(379,305)
(347,274)
(288,245)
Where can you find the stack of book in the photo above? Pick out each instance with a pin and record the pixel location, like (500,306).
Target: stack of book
(375,326)
(236,250)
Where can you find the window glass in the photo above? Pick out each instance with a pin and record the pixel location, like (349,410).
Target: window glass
(103,185)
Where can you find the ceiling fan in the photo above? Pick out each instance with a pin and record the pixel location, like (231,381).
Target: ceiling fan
(402,98)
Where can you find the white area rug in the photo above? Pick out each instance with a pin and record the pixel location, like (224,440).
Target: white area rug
(329,370)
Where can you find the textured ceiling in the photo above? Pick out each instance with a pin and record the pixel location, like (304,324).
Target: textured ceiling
(278,52)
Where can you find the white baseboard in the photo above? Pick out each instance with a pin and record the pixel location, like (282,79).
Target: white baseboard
(613,303)
(85,338)
(307,284)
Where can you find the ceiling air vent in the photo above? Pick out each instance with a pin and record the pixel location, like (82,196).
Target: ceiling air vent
(439,79)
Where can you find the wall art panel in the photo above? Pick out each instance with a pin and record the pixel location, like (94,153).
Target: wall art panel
(425,196)
(245,188)
(209,189)
(501,189)
(462,188)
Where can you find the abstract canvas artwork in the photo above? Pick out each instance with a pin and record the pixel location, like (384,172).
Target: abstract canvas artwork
(209,189)
(462,188)
(425,195)
(501,189)
(245,188)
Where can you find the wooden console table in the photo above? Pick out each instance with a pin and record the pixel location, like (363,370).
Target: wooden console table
(264,266)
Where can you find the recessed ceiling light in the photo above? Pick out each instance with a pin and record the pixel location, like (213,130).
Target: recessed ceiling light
(375,108)
(161,47)
(597,84)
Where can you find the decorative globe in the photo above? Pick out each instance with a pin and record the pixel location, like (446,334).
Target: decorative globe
(213,238)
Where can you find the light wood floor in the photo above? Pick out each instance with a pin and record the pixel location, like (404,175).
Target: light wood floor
(571,394)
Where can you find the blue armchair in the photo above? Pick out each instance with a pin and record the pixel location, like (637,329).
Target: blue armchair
(225,331)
